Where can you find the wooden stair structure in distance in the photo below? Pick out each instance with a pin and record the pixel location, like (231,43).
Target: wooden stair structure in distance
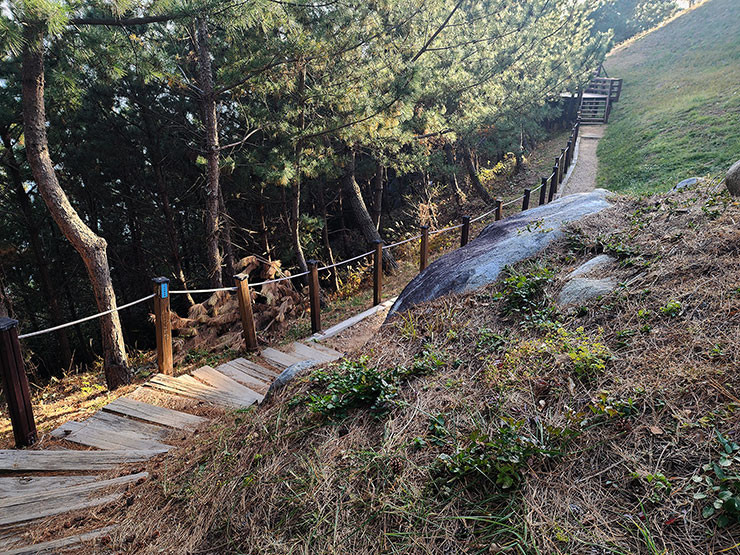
(126,430)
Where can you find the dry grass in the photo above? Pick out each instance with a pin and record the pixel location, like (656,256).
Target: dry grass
(281,479)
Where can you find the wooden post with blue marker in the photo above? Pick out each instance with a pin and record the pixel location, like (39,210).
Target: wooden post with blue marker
(163,325)
(15,384)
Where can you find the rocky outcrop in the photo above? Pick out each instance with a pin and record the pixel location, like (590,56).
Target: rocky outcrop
(500,244)
(732,180)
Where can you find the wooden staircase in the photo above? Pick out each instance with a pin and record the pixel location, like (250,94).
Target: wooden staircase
(598,98)
(133,428)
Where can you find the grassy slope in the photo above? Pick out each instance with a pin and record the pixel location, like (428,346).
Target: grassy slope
(600,452)
(679,114)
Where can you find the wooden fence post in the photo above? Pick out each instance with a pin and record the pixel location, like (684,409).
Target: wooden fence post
(543,191)
(553,184)
(499,209)
(15,384)
(378,273)
(525,200)
(424,249)
(314,295)
(163,325)
(465,233)
(563,166)
(568,155)
(249,332)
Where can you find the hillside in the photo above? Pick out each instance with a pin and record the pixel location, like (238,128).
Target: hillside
(494,421)
(679,114)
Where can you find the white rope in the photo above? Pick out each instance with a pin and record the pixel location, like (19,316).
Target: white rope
(337,264)
(452,227)
(81,320)
(196,291)
(482,216)
(414,238)
(278,279)
(514,201)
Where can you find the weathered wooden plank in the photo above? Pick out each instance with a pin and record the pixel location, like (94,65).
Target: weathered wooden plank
(200,391)
(54,546)
(101,434)
(278,358)
(317,350)
(349,322)
(226,384)
(76,490)
(43,509)
(23,485)
(255,369)
(243,378)
(188,379)
(68,460)
(153,413)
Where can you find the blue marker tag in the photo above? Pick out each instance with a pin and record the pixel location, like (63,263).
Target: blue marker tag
(164,290)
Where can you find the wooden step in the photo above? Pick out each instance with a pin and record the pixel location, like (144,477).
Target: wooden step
(315,350)
(237,373)
(194,391)
(154,414)
(280,359)
(108,431)
(67,460)
(224,383)
(62,500)
(24,485)
(54,546)
(267,374)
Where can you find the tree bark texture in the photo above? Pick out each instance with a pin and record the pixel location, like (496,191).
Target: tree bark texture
(91,248)
(210,125)
(473,173)
(378,181)
(362,216)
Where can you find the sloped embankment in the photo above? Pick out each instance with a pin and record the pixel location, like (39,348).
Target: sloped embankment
(492,420)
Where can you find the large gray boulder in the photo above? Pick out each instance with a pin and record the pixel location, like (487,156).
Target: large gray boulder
(732,180)
(500,244)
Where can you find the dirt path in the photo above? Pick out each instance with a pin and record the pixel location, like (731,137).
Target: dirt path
(583,178)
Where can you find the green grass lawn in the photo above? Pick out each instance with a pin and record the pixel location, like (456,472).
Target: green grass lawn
(679,115)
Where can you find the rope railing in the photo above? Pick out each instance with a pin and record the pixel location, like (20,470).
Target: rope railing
(12,366)
(562,164)
(85,319)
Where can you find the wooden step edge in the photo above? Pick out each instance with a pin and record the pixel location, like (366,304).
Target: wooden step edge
(53,546)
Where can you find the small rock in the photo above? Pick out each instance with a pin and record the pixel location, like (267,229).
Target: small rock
(581,290)
(733,179)
(690,182)
(597,263)
(287,375)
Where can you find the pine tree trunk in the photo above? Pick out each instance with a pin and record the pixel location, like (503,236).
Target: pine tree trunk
(91,248)
(295,199)
(474,179)
(264,234)
(210,125)
(362,217)
(325,231)
(378,181)
(226,237)
(452,180)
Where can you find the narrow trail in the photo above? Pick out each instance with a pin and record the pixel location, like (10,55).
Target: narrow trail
(583,177)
